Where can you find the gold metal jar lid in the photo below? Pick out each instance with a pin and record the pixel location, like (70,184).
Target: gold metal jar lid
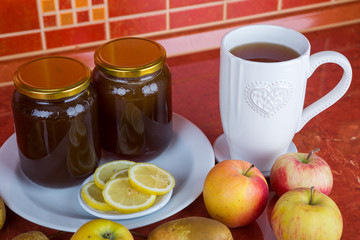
(52,78)
(130,57)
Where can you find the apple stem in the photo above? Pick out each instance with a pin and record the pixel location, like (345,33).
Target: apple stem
(252,165)
(107,236)
(311,153)
(311,195)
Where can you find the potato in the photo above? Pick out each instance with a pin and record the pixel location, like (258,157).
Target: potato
(191,228)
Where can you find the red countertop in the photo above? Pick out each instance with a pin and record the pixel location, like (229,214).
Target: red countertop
(336,131)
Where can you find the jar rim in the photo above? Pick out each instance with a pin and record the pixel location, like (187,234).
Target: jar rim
(130,57)
(51,78)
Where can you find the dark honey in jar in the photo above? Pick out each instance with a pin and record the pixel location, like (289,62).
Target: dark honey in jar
(133,83)
(55,115)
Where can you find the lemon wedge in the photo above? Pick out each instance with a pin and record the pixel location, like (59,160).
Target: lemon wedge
(150,179)
(105,171)
(92,195)
(121,196)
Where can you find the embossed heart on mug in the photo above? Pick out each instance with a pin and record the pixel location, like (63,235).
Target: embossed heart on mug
(268,98)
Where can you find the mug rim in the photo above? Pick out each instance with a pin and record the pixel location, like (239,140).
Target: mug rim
(306,44)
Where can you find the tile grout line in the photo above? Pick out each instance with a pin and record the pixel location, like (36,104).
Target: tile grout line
(57,14)
(16,34)
(196,6)
(107,22)
(225,6)
(73,11)
(167,15)
(313,6)
(41,25)
(332,25)
(6,84)
(90,12)
(279,6)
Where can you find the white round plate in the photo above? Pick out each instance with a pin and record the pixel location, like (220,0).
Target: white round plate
(222,152)
(160,202)
(189,157)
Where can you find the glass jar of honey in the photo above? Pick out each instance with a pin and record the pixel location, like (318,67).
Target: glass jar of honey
(133,83)
(55,114)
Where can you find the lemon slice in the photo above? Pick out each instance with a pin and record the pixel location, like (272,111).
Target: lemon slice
(92,196)
(137,121)
(120,174)
(150,179)
(134,117)
(74,138)
(121,196)
(80,127)
(104,172)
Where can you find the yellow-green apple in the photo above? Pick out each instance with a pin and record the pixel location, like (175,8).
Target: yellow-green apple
(2,213)
(295,170)
(235,193)
(306,213)
(100,229)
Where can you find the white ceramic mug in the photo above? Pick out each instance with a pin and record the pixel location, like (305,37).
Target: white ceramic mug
(261,104)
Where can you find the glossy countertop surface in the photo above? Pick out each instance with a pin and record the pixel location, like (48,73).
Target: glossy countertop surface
(336,131)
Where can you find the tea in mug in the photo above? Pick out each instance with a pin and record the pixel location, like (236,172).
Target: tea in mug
(264,52)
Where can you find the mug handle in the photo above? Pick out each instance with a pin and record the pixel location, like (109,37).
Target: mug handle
(336,93)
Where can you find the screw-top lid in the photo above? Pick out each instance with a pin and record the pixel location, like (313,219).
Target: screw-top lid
(130,57)
(52,78)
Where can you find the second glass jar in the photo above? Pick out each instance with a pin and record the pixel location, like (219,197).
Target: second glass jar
(133,83)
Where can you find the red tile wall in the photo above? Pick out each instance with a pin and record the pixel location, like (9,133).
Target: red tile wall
(12,11)
(28,43)
(64,4)
(41,28)
(196,16)
(94,2)
(138,25)
(82,16)
(126,7)
(250,7)
(49,21)
(77,35)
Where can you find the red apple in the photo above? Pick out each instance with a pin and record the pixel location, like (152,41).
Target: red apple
(306,213)
(296,170)
(235,193)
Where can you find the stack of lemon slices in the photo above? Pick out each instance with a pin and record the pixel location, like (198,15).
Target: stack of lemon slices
(126,186)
